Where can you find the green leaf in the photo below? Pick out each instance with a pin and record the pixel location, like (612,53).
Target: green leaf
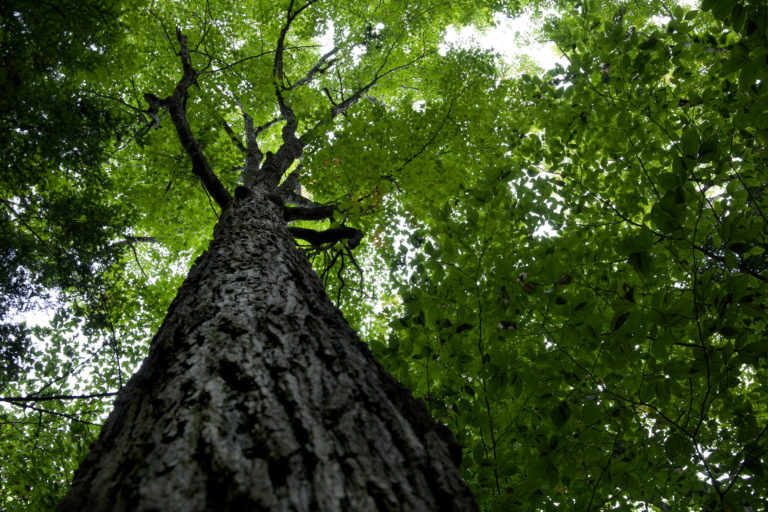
(690,143)
(560,414)
(641,262)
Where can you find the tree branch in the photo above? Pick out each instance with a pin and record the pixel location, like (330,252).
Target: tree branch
(49,398)
(298,200)
(276,164)
(340,108)
(291,184)
(233,136)
(741,266)
(320,67)
(426,144)
(112,98)
(289,191)
(319,212)
(176,107)
(253,154)
(130,240)
(329,236)
(54,413)
(277,69)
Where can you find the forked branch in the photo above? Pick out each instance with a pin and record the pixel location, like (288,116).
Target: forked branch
(176,106)
(321,67)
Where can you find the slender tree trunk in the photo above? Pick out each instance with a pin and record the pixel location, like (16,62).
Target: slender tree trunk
(257,395)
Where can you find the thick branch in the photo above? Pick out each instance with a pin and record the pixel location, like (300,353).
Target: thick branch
(276,164)
(291,184)
(277,70)
(200,166)
(292,197)
(320,212)
(329,236)
(253,154)
(289,191)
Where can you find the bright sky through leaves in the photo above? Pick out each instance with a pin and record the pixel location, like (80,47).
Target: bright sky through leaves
(512,38)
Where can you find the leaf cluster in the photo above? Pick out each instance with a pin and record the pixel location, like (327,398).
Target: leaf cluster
(589,316)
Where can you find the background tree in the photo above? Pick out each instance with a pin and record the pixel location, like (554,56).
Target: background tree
(49,130)
(616,363)
(58,223)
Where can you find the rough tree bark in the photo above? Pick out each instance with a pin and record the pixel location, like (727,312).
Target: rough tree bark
(257,395)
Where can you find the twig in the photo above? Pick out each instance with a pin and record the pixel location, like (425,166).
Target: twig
(47,398)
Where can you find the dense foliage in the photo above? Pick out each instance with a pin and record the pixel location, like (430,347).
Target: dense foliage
(48,124)
(568,265)
(619,361)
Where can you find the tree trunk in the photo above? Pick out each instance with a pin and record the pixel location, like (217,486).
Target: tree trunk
(257,395)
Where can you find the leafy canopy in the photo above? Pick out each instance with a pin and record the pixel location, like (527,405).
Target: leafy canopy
(567,265)
(618,363)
